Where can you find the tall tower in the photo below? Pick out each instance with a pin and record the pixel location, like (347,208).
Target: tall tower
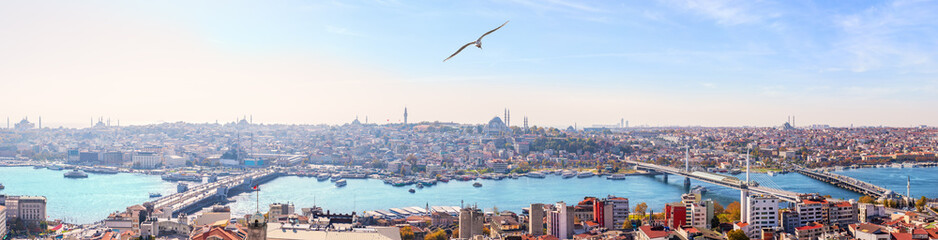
(257,227)
(505,117)
(40,122)
(525,122)
(405,115)
(908,188)
(508,118)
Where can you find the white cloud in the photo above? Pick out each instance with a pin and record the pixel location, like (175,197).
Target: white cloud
(726,12)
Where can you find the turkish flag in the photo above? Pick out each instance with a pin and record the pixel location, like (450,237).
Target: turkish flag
(255,187)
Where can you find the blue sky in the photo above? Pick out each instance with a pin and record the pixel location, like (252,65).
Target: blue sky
(680,62)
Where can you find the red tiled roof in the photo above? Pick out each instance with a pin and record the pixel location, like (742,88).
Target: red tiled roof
(901,236)
(809,227)
(652,233)
(742,224)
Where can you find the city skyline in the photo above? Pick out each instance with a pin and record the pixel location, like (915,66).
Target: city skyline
(559,63)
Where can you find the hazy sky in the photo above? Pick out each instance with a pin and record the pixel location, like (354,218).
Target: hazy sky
(559,62)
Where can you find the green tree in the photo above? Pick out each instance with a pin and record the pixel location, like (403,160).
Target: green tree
(866,199)
(736,235)
(641,208)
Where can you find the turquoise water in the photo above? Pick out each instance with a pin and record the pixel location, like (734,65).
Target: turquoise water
(508,194)
(92,199)
(84,200)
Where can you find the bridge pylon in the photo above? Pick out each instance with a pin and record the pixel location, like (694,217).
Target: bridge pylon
(686,182)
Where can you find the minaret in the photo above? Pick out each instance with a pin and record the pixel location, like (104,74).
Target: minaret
(505,117)
(525,122)
(40,122)
(508,119)
(405,115)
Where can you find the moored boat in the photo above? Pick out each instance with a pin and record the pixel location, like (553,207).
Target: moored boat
(617,176)
(154,195)
(477,184)
(76,174)
(585,174)
(341,183)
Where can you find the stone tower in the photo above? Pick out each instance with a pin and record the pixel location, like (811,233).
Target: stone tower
(257,227)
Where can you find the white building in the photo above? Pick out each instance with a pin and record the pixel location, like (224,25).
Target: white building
(147,160)
(560,221)
(811,209)
(620,210)
(763,213)
(26,208)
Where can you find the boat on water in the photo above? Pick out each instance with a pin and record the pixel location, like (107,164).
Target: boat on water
(427,182)
(535,175)
(55,167)
(155,195)
(341,183)
(617,176)
(2,187)
(335,177)
(585,175)
(76,174)
(477,184)
(181,177)
(568,175)
(322,177)
(698,189)
(103,170)
(411,190)
(771,173)
(514,176)
(420,186)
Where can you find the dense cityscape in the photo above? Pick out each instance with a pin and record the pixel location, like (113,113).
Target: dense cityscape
(211,162)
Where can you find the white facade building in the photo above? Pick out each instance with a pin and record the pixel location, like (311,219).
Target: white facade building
(147,160)
(763,213)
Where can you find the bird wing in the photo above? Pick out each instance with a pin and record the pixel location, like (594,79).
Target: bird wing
(487,33)
(457,51)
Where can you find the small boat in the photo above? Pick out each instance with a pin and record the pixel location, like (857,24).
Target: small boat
(585,175)
(535,175)
(477,184)
(154,195)
(1,186)
(341,183)
(568,175)
(699,189)
(322,177)
(411,190)
(420,186)
(55,167)
(76,174)
(616,177)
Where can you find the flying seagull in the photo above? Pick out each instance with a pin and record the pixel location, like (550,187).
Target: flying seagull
(478,42)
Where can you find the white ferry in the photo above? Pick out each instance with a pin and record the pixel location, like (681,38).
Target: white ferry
(341,183)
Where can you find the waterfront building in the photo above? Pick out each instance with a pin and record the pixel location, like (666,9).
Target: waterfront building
(536,219)
(675,215)
(30,209)
(499,166)
(3,222)
(147,160)
(560,220)
(762,213)
(112,158)
(470,222)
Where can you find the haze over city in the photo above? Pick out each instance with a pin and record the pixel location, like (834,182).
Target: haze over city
(560,63)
